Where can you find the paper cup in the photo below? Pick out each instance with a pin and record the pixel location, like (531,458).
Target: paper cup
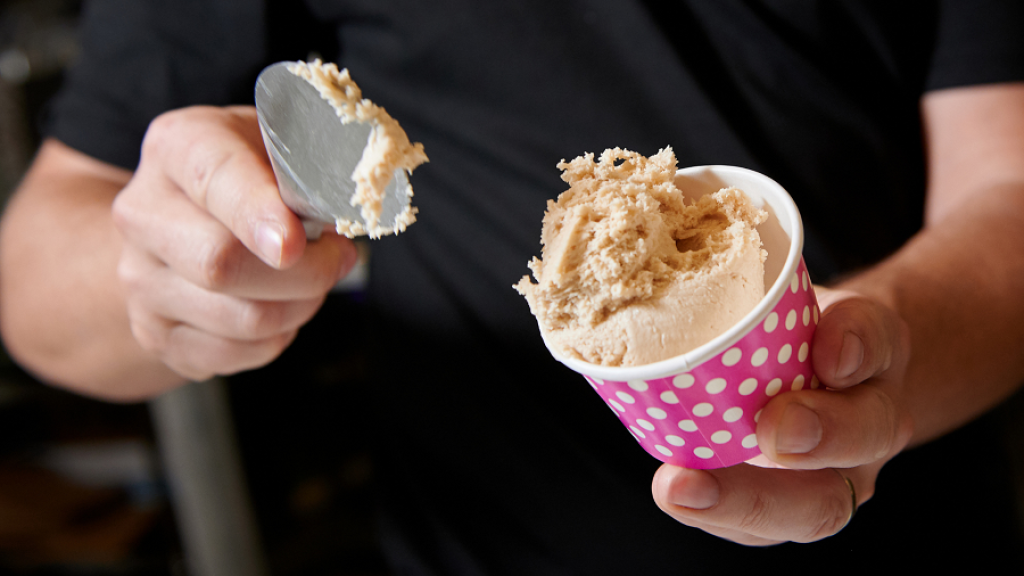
(700,409)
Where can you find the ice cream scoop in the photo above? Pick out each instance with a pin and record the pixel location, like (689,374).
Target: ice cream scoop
(339,159)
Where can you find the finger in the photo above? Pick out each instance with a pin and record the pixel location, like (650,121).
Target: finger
(856,339)
(198,355)
(216,157)
(755,505)
(168,295)
(813,429)
(676,491)
(203,251)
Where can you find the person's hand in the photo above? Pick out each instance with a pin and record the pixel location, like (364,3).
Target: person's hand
(216,271)
(812,441)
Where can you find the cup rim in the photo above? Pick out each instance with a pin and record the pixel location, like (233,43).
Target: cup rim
(782,202)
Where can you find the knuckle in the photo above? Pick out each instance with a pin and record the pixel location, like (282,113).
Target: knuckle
(186,134)
(157,132)
(121,212)
(757,517)
(219,263)
(831,517)
(261,319)
(128,275)
(151,335)
(888,426)
(162,132)
(146,338)
(205,162)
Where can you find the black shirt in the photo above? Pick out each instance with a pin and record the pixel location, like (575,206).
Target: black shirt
(495,459)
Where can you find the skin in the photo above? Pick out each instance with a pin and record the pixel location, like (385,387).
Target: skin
(191,266)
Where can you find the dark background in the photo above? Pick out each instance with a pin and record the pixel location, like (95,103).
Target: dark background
(81,485)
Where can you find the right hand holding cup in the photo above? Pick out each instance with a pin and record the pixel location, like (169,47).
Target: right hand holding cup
(812,440)
(216,270)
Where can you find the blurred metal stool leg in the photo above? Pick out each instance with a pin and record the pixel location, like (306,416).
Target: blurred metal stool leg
(201,460)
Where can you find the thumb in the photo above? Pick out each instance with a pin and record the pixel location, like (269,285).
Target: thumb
(216,157)
(857,338)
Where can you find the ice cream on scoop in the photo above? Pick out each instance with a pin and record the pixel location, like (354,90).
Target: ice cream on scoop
(631,273)
(387,150)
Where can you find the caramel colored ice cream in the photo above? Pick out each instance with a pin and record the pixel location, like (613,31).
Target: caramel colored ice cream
(631,273)
(388,148)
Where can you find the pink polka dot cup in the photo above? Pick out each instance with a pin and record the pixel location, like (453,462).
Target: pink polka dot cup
(700,409)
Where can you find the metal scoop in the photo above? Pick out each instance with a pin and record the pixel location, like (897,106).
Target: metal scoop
(314,154)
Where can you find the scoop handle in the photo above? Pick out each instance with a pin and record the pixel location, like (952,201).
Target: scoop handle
(314,229)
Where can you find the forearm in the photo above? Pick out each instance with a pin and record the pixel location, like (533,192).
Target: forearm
(957,284)
(62,313)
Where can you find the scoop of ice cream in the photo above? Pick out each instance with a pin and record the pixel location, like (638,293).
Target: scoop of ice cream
(631,273)
(387,150)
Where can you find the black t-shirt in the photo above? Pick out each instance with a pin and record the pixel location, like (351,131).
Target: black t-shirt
(495,459)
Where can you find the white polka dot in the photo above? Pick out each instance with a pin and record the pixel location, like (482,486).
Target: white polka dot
(637,432)
(657,413)
(806,280)
(592,385)
(791,320)
(733,414)
(794,284)
(798,382)
(703,452)
(645,424)
(814,311)
(749,441)
(814,382)
(785,353)
(721,437)
(669,397)
(597,381)
(801,354)
(687,426)
(675,440)
(771,322)
(748,386)
(683,381)
(732,356)
(715,386)
(758,415)
(625,397)
(807,315)
(773,387)
(703,409)
(759,357)
(617,405)
(638,385)
(662,449)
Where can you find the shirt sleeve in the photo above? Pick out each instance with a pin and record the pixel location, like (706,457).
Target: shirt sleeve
(977,42)
(140,58)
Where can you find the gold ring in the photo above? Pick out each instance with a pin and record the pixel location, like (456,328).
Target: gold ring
(853,497)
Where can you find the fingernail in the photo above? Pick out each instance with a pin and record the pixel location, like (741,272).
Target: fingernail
(699,491)
(799,430)
(850,355)
(270,242)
